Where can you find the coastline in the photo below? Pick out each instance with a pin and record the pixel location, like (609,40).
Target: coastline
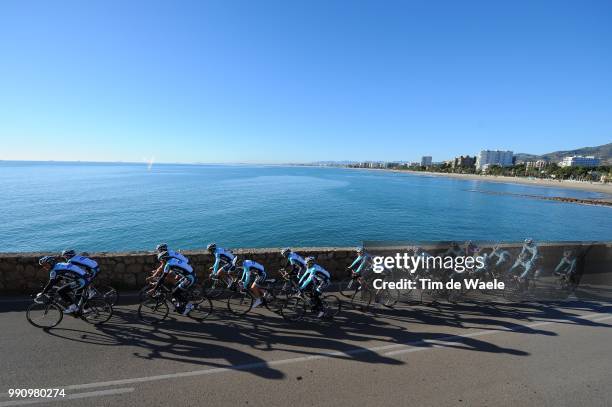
(576,185)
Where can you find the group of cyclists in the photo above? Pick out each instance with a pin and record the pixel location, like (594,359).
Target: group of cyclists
(72,273)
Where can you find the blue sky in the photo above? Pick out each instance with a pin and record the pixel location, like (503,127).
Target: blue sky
(288,81)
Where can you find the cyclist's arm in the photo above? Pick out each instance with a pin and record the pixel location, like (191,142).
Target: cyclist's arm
(357,260)
(161,279)
(561,263)
(216,265)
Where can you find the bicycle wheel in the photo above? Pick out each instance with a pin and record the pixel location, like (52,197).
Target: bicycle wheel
(332,305)
(153,310)
(201,310)
(348,287)
(239,302)
(294,309)
(213,287)
(97,310)
(361,300)
(387,297)
(44,315)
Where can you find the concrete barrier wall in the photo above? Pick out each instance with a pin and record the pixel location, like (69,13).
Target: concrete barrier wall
(21,274)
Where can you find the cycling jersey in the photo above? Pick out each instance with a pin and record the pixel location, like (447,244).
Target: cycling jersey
(181,269)
(85,263)
(363,260)
(567,266)
(223,258)
(250,266)
(296,263)
(176,255)
(315,274)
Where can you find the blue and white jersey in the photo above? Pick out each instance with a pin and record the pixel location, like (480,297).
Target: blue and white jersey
(67,271)
(296,260)
(177,255)
(224,255)
(253,266)
(179,267)
(317,271)
(84,262)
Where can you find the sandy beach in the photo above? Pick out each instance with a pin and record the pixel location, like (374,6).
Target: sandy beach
(577,185)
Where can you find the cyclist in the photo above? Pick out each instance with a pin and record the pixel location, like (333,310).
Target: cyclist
(567,265)
(361,264)
(296,264)
(224,260)
(82,261)
(502,255)
(526,259)
(74,280)
(163,247)
(187,278)
(251,268)
(315,279)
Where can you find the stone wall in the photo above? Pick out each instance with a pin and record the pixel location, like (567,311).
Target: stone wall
(21,274)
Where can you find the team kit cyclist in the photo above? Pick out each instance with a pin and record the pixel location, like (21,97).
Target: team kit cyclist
(76,272)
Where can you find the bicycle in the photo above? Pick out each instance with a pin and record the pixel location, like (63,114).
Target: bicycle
(240,299)
(302,304)
(155,308)
(104,291)
(48,311)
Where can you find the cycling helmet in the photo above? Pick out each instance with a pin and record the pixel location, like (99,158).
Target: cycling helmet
(68,253)
(309,260)
(360,250)
(50,260)
(285,252)
(162,247)
(211,247)
(163,256)
(528,240)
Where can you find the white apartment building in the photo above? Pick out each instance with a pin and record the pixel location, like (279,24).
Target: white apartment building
(487,158)
(580,161)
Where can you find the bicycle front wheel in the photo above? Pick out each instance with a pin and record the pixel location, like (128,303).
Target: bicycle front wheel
(44,315)
(153,310)
(239,302)
(97,311)
(201,310)
(294,309)
(361,300)
(332,305)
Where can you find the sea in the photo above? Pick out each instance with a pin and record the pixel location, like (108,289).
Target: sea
(50,206)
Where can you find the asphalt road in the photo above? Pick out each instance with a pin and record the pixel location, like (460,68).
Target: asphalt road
(449,355)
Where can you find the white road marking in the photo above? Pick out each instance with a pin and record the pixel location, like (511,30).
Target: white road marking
(75,396)
(412,346)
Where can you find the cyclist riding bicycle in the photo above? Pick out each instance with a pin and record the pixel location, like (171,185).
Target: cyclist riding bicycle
(527,259)
(315,279)
(73,278)
(187,278)
(567,265)
(361,265)
(163,247)
(296,265)
(224,260)
(84,262)
(253,278)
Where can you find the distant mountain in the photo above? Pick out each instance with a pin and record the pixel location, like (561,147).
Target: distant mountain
(603,152)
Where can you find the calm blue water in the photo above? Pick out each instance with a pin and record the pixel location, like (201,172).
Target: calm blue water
(95,207)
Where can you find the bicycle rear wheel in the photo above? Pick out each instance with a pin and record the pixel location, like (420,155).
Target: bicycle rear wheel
(153,310)
(362,299)
(44,315)
(201,310)
(97,310)
(239,302)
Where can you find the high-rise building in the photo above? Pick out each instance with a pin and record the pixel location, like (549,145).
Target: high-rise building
(488,158)
(426,161)
(580,161)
